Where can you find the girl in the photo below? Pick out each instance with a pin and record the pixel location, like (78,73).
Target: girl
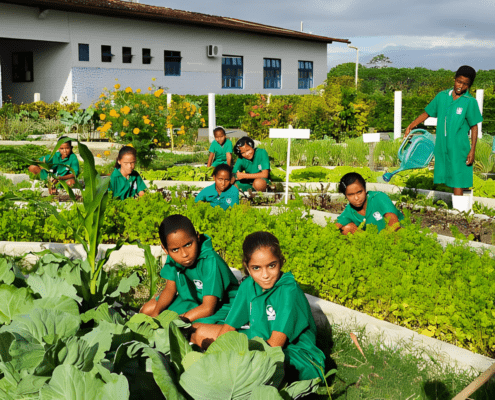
(220,149)
(457,112)
(274,306)
(252,168)
(63,160)
(221,193)
(200,286)
(371,207)
(125,181)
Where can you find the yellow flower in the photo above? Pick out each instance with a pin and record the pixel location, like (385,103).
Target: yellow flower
(102,95)
(98,129)
(135,131)
(143,102)
(107,101)
(128,90)
(117,86)
(113,113)
(98,155)
(102,117)
(106,153)
(147,121)
(122,133)
(170,126)
(167,144)
(160,108)
(155,131)
(138,90)
(130,145)
(182,127)
(152,124)
(125,123)
(153,79)
(149,88)
(187,116)
(158,93)
(188,109)
(155,140)
(186,104)
(125,110)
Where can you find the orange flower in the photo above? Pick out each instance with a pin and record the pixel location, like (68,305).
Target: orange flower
(117,86)
(149,88)
(98,155)
(106,153)
(155,140)
(136,131)
(147,121)
(125,123)
(125,110)
(158,93)
(138,90)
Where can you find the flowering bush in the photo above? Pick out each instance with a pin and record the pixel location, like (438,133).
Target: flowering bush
(184,118)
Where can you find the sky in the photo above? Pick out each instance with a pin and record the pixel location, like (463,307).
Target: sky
(424,33)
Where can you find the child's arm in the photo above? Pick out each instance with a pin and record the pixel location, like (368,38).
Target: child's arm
(229,159)
(393,220)
(210,159)
(206,309)
(416,122)
(166,297)
(349,228)
(226,328)
(262,174)
(277,339)
(474,139)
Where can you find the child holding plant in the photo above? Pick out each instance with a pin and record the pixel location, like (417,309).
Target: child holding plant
(125,182)
(274,306)
(457,112)
(220,149)
(252,168)
(200,286)
(62,162)
(221,193)
(371,207)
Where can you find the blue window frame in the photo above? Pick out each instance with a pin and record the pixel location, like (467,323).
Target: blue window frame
(232,73)
(305,74)
(172,63)
(83,52)
(272,73)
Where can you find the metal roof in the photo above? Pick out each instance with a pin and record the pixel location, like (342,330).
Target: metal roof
(126,9)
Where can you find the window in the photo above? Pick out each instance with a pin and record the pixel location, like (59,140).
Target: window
(106,53)
(83,52)
(305,74)
(126,55)
(22,66)
(146,56)
(272,74)
(172,63)
(232,73)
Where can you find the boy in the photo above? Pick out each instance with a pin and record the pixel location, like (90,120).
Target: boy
(220,149)
(457,112)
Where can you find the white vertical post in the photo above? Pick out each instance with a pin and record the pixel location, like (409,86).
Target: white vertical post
(287,173)
(479,97)
(397,114)
(169,99)
(212,122)
(75,98)
(37,97)
(269,98)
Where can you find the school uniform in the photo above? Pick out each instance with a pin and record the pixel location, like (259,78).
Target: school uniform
(122,187)
(454,119)
(378,204)
(283,308)
(60,166)
(220,151)
(259,163)
(210,276)
(225,199)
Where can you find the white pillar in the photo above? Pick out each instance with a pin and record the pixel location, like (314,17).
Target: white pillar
(212,122)
(397,114)
(269,98)
(479,97)
(37,97)
(169,99)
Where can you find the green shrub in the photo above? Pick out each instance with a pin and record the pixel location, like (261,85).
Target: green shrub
(11,164)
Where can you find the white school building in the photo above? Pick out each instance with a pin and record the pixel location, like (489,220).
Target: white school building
(71,50)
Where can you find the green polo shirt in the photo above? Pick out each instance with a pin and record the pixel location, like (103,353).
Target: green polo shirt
(124,188)
(454,119)
(60,166)
(283,308)
(225,199)
(220,151)
(259,163)
(378,204)
(209,276)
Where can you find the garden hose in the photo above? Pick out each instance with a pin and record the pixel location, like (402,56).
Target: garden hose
(476,384)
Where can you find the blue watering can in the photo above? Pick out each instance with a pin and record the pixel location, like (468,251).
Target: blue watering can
(416,151)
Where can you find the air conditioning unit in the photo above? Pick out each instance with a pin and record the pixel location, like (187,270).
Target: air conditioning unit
(214,50)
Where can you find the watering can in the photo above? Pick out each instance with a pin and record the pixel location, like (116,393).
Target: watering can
(416,151)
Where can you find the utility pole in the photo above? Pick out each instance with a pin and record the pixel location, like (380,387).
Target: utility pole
(357,61)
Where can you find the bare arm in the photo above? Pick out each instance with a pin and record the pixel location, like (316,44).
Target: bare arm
(277,339)
(166,297)
(346,229)
(229,159)
(262,174)
(393,220)
(226,328)
(474,139)
(210,159)
(206,309)
(65,177)
(422,118)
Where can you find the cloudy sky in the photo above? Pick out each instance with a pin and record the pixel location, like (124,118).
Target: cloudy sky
(423,33)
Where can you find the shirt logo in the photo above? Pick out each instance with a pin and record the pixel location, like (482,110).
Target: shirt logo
(198,284)
(259,167)
(270,312)
(134,186)
(459,111)
(377,216)
(228,201)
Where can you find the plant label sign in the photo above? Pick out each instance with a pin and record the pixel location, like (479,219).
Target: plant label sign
(371,137)
(288,134)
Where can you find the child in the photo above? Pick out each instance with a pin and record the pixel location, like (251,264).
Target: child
(220,149)
(200,286)
(125,181)
(63,160)
(274,306)
(457,112)
(371,207)
(252,169)
(221,193)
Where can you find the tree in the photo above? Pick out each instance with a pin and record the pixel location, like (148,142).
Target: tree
(379,61)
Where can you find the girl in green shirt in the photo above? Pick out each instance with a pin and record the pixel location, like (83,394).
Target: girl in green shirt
(275,307)
(252,168)
(125,182)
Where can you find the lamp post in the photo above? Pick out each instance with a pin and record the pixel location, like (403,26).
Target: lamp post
(357,61)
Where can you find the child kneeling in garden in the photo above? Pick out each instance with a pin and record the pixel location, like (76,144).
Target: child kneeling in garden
(274,306)
(252,168)
(62,162)
(371,207)
(125,182)
(200,286)
(221,193)
(220,149)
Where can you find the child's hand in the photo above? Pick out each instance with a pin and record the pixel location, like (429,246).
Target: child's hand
(241,175)
(470,157)
(349,228)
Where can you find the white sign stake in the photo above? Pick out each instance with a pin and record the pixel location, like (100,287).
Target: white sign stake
(288,134)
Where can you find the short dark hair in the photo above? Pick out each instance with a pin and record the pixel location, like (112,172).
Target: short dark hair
(122,152)
(257,240)
(222,167)
(468,72)
(245,140)
(349,179)
(219,128)
(68,141)
(174,223)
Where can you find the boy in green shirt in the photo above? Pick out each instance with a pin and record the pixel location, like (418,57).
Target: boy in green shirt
(252,168)
(125,182)
(220,149)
